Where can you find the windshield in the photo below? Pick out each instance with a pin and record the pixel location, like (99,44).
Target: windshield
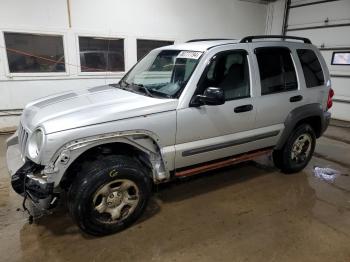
(162,73)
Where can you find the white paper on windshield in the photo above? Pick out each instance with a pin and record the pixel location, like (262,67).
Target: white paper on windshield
(189,55)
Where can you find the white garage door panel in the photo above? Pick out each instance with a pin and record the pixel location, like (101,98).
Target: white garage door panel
(341,85)
(313,15)
(342,88)
(331,38)
(334,37)
(335,69)
(341,111)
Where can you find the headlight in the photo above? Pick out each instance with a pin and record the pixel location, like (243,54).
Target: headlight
(35,143)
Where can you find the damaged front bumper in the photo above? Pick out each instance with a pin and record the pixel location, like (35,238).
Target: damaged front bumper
(27,178)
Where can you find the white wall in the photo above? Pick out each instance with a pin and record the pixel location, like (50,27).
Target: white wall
(178,20)
(337,12)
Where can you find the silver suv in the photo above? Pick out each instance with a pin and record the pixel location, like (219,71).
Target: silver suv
(182,110)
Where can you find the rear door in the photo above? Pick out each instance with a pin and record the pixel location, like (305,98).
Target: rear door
(279,86)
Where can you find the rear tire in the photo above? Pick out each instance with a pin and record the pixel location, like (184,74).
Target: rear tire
(298,150)
(108,195)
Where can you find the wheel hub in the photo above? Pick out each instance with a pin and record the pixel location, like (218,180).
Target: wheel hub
(114,199)
(301,148)
(118,198)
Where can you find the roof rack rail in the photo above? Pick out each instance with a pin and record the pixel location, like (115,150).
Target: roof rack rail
(207,39)
(249,39)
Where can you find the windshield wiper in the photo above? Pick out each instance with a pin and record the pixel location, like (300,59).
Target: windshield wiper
(122,81)
(126,86)
(119,84)
(147,92)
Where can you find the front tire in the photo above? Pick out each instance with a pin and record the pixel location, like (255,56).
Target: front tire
(108,195)
(298,150)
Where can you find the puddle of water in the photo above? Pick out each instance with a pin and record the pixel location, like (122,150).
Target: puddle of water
(326,173)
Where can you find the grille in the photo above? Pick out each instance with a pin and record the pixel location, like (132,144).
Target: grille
(22,139)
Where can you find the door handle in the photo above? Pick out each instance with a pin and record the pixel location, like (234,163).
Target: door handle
(295,98)
(245,108)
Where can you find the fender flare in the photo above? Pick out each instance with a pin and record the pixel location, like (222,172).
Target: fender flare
(297,115)
(142,140)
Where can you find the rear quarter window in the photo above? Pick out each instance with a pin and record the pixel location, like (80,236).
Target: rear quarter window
(311,66)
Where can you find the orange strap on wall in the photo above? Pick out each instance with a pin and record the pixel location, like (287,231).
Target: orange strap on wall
(48,59)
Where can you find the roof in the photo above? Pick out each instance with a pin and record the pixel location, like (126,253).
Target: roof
(200,45)
(203,44)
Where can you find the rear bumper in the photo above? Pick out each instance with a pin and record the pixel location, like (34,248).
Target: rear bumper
(325,122)
(26,177)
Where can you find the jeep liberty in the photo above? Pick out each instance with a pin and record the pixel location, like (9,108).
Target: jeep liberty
(182,110)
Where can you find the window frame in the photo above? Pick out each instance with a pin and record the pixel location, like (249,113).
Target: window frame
(118,74)
(10,74)
(339,52)
(151,39)
(291,53)
(211,60)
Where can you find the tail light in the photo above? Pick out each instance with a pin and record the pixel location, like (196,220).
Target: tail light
(329,100)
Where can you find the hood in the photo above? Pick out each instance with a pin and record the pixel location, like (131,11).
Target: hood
(89,107)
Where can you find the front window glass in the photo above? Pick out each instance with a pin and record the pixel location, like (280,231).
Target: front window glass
(230,71)
(162,72)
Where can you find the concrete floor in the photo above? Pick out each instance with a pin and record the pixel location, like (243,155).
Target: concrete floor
(249,212)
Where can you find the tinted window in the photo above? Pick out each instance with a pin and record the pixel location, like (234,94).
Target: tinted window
(31,53)
(101,54)
(229,71)
(277,72)
(311,67)
(145,46)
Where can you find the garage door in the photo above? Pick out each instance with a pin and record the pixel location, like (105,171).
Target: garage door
(327,24)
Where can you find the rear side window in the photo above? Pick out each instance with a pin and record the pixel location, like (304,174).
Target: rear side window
(277,72)
(311,67)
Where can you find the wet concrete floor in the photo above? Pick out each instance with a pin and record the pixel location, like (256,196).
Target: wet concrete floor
(249,212)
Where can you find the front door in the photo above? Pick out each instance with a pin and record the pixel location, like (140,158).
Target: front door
(208,132)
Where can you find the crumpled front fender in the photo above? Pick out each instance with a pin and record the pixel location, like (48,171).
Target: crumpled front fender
(141,140)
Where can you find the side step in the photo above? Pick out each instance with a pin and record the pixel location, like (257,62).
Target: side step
(223,163)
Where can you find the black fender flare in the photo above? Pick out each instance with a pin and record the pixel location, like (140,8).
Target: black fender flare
(300,113)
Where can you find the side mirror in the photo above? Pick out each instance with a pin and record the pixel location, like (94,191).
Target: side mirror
(212,96)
